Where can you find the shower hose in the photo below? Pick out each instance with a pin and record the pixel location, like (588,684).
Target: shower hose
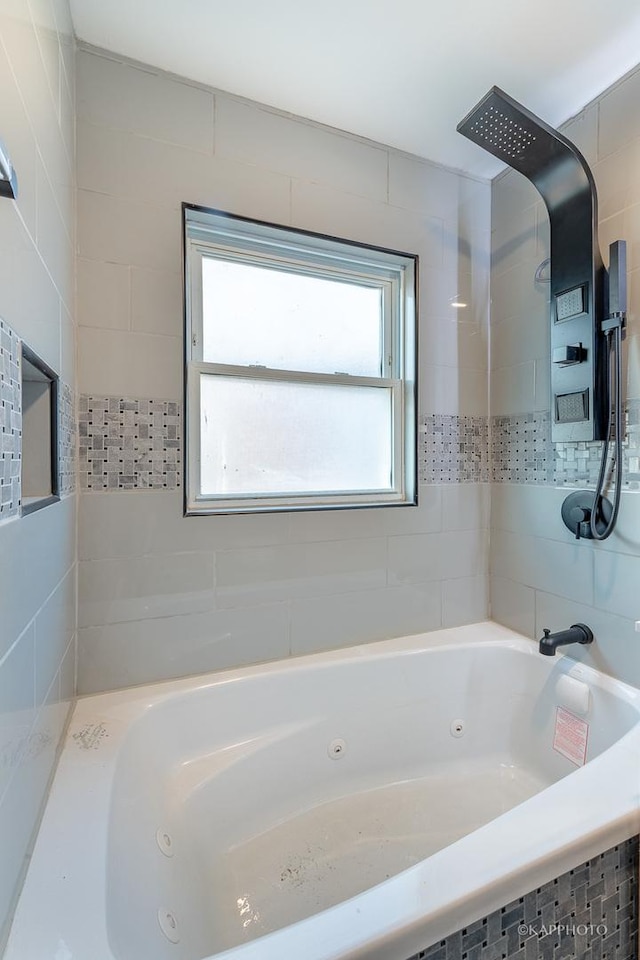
(614,364)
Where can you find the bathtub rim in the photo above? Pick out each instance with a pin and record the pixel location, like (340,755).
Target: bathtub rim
(394,919)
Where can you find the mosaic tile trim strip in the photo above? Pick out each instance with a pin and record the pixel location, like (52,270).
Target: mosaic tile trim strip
(521,449)
(10,423)
(590,913)
(66,440)
(127,444)
(453,449)
(578,464)
(522,452)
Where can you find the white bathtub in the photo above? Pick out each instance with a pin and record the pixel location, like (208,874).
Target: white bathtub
(359,803)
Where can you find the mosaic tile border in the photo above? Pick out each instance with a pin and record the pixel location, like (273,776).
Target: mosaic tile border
(129,444)
(522,452)
(453,449)
(10,423)
(590,913)
(521,449)
(67,440)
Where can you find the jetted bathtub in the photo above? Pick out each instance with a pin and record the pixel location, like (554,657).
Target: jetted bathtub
(359,803)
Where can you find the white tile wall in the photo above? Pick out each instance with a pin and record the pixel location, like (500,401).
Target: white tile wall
(464,600)
(122,654)
(361,617)
(17,704)
(156,302)
(333,579)
(419,185)
(129,364)
(322,581)
(111,308)
(540,576)
(513,604)
(55,627)
(119,230)
(134,525)
(266,574)
(354,217)
(113,591)
(549,565)
(145,143)
(539,573)
(37,553)
(615,649)
(446,388)
(618,120)
(145,102)
(415,559)
(255,135)
(466,506)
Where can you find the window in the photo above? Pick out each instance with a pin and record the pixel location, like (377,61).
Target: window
(300,369)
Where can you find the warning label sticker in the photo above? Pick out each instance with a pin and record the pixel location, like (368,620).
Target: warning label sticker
(570,736)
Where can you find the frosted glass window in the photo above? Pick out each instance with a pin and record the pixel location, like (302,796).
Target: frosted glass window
(266,436)
(300,369)
(289,321)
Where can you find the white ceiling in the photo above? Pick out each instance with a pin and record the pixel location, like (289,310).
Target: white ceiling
(402,72)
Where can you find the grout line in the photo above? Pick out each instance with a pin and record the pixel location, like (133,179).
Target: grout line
(214,130)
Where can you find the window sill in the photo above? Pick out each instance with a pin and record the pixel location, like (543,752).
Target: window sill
(206,509)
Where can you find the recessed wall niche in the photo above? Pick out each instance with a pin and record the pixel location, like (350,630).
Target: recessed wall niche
(40,397)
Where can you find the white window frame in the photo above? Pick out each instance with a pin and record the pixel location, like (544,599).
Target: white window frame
(226,236)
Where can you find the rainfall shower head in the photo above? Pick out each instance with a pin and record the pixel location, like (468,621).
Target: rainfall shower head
(506,129)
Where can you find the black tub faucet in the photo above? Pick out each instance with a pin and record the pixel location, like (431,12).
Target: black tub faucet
(577,633)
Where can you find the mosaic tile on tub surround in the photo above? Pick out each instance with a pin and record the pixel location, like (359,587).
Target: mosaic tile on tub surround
(522,452)
(578,464)
(10,423)
(128,444)
(521,449)
(452,449)
(66,440)
(590,913)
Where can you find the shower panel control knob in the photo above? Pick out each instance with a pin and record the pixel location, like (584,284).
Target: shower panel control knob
(569,353)
(576,513)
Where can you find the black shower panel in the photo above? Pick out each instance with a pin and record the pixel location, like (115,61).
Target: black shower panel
(579,377)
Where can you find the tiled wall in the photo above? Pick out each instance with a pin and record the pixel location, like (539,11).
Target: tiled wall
(162,595)
(453,449)
(37,553)
(587,913)
(127,444)
(540,575)
(522,452)
(67,440)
